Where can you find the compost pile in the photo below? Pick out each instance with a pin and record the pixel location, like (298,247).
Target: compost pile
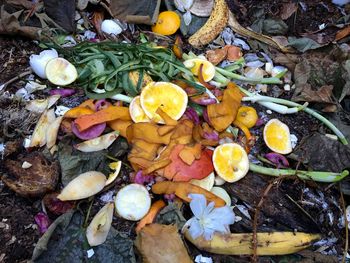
(177,131)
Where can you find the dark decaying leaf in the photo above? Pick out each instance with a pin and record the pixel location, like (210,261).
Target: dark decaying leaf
(161,243)
(74,163)
(320,153)
(171,215)
(288,9)
(303,44)
(63,13)
(316,78)
(65,241)
(40,178)
(346,76)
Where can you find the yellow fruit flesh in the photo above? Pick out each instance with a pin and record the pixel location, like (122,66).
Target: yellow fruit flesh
(247,116)
(136,112)
(230,162)
(60,72)
(277,138)
(208,68)
(169,97)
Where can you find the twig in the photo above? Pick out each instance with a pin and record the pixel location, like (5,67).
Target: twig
(256,214)
(346,226)
(301,208)
(3,86)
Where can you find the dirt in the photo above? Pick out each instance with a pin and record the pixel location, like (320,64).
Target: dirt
(309,16)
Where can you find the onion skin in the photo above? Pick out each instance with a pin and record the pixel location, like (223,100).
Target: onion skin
(63,92)
(102,104)
(43,222)
(277,159)
(90,133)
(192,115)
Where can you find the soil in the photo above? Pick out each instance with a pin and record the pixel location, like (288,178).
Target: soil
(309,16)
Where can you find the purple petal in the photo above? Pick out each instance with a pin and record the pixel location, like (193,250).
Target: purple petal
(102,104)
(63,92)
(140,178)
(90,133)
(205,116)
(211,136)
(43,222)
(204,101)
(192,115)
(169,197)
(277,159)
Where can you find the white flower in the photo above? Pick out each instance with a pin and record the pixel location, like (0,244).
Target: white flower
(38,62)
(208,219)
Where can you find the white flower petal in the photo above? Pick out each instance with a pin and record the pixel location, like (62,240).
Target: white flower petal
(208,233)
(179,5)
(208,209)
(223,214)
(198,204)
(195,229)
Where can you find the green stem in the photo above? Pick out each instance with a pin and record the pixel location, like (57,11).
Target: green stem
(324,177)
(245,79)
(122,97)
(313,113)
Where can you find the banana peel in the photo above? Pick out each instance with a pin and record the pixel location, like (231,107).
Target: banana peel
(221,17)
(213,27)
(273,243)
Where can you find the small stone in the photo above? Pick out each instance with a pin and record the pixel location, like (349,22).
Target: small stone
(293,140)
(286,87)
(269,111)
(332,136)
(26,165)
(90,253)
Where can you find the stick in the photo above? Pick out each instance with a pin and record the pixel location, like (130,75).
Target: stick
(3,86)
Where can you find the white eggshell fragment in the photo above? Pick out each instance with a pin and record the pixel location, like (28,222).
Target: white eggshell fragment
(85,185)
(133,202)
(38,62)
(221,192)
(97,231)
(110,27)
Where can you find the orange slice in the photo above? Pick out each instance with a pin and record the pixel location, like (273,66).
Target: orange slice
(277,137)
(230,162)
(136,112)
(208,68)
(60,72)
(165,95)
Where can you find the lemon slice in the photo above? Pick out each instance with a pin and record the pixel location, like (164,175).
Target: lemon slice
(165,95)
(132,202)
(230,162)
(116,166)
(277,137)
(206,183)
(60,72)
(136,112)
(208,68)
(221,192)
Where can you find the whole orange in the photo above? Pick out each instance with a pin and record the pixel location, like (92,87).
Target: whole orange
(168,23)
(247,116)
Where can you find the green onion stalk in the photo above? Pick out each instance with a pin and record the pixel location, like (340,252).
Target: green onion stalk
(324,177)
(296,107)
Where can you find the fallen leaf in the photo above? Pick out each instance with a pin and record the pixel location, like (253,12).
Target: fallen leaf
(333,156)
(342,33)
(161,243)
(288,9)
(217,55)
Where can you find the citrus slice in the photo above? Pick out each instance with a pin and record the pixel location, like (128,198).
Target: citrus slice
(277,137)
(168,23)
(116,166)
(222,193)
(206,183)
(165,95)
(132,202)
(208,68)
(247,116)
(60,72)
(230,162)
(136,112)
